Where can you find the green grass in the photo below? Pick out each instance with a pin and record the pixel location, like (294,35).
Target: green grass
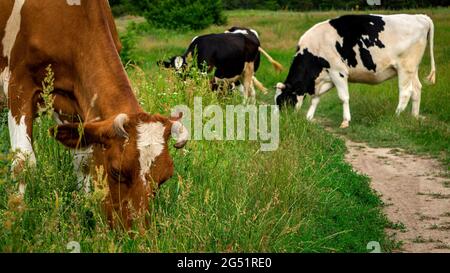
(228,196)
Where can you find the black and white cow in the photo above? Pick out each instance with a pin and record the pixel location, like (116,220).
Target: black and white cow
(254,36)
(359,48)
(234,56)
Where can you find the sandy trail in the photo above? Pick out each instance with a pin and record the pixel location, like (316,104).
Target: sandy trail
(413,191)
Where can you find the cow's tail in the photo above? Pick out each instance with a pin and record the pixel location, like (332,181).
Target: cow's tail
(275,64)
(259,85)
(432,77)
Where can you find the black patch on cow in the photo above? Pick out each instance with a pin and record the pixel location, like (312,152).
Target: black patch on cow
(226,53)
(342,75)
(254,39)
(301,80)
(286,99)
(304,71)
(352,28)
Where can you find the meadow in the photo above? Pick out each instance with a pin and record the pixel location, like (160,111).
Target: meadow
(228,196)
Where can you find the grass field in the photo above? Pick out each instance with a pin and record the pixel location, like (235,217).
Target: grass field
(229,196)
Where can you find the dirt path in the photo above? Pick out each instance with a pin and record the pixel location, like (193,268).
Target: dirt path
(417,199)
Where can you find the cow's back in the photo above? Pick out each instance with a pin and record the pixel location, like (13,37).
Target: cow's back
(228,53)
(369,47)
(402,30)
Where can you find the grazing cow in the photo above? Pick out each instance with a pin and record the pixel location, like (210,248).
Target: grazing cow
(79,40)
(359,48)
(254,36)
(235,56)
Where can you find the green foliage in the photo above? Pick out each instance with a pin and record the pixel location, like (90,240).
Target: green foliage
(129,40)
(329,4)
(185,14)
(121,7)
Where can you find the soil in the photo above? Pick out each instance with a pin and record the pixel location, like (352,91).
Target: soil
(415,192)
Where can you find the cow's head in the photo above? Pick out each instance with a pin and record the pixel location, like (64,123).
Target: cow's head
(305,70)
(176,62)
(133,150)
(284,96)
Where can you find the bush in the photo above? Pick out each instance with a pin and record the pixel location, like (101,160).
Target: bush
(185,14)
(129,39)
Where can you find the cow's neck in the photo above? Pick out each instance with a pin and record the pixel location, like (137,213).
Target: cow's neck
(104,89)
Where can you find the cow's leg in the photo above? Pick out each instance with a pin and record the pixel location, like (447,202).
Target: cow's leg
(406,87)
(299,104)
(247,77)
(20,123)
(322,88)
(22,100)
(252,93)
(416,96)
(312,109)
(341,84)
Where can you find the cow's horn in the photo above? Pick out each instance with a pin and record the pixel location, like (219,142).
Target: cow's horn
(180,134)
(119,123)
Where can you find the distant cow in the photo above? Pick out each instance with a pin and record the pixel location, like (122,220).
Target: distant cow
(359,48)
(235,56)
(80,41)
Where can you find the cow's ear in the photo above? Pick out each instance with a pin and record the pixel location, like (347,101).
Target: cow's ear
(76,135)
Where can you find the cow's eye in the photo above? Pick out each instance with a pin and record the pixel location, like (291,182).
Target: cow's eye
(118,175)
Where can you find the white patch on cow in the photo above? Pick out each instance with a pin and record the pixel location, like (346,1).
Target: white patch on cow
(12,29)
(240,31)
(241,89)
(299,104)
(277,94)
(4,80)
(73,2)
(255,32)
(20,141)
(194,39)
(178,62)
(150,143)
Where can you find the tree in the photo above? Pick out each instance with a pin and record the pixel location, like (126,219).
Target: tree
(185,14)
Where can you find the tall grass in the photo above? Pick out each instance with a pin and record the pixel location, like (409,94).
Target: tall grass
(224,196)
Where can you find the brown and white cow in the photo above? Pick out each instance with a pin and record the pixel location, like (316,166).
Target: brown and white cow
(79,39)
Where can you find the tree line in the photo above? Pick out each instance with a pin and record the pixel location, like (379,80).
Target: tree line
(121,7)
(304,5)
(199,14)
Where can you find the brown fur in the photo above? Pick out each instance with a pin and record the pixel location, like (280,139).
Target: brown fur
(82,45)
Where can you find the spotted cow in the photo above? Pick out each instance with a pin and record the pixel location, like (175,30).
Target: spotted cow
(359,48)
(235,56)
